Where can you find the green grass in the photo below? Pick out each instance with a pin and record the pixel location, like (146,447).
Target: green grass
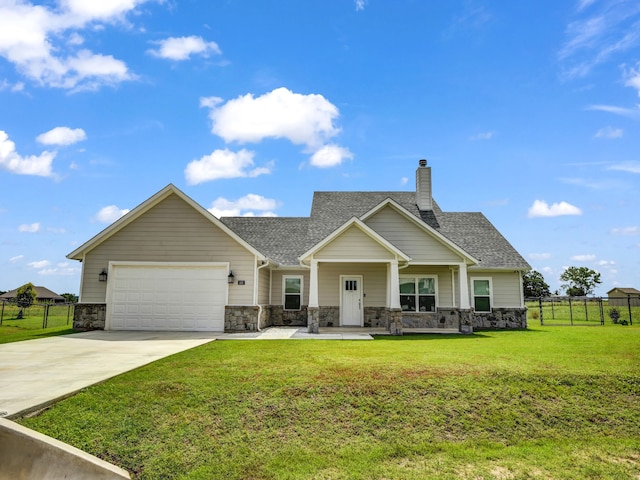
(12,329)
(559,313)
(544,403)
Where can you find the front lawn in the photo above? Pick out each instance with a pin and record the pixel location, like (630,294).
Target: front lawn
(550,402)
(13,329)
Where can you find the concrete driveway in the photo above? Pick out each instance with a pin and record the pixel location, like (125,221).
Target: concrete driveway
(36,373)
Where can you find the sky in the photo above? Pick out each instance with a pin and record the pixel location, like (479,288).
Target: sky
(526,111)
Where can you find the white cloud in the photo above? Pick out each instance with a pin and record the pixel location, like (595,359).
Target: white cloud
(56,230)
(39,264)
(631,167)
(633,113)
(16,258)
(404,180)
(360,4)
(539,256)
(62,268)
(301,119)
(62,136)
(626,231)
(29,228)
(482,136)
(223,164)
(330,156)
(606,263)
(11,161)
(609,132)
(109,214)
(244,206)
(633,78)
(42,42)
(181,48)
(541,208)
(583,258)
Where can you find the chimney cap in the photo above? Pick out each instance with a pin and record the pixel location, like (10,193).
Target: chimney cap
(423,163)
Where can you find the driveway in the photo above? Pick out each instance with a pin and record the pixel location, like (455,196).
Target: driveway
(36,373)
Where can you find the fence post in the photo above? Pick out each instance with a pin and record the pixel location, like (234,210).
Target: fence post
(629,305)
(601,310)
(553,312)
(68,313)
(2,314)
(570,311)
(586,310)
(540,308)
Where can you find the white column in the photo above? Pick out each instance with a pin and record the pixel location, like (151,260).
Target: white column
(313,284)
(464,287)
(394,285)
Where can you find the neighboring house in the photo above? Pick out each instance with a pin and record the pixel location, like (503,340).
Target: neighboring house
(43,295)
(623,297)
(389,260)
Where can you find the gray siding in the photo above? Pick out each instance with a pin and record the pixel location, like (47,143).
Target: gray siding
(374,282)
(264,277)
(507,292)
(354,244)
(171,231)
(408,237)
(276,285)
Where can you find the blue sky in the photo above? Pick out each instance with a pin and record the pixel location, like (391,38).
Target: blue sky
(526,111)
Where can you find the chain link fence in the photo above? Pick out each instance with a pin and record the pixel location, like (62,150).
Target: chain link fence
(584,310)
(37,316)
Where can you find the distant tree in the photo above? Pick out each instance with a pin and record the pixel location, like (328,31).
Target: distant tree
(25,296)
(580,281)
(533,284)
(70,297)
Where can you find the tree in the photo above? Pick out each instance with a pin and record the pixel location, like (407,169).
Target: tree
(70,297)
(25,296)
(580,281)
(533,285)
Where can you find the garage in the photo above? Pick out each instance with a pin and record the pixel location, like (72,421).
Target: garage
(174,296)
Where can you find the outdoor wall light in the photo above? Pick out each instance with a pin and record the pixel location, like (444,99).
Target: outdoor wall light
(102,276)
(230,277)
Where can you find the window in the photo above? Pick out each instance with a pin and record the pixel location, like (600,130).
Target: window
(482,294)
(418,294)
(292,292)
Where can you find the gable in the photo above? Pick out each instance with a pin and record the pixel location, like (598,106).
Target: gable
(354,244)
(417,242)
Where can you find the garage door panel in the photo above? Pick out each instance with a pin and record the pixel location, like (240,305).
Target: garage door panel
(148,297)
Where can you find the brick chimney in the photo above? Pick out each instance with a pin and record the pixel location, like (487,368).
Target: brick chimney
(423,186)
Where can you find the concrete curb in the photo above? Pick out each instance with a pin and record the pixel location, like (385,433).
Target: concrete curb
(27,454)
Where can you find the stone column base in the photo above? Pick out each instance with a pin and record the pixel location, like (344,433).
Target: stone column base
(313,319)
(395,321)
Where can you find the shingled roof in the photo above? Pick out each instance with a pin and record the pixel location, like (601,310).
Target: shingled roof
(284,239)
(42,294)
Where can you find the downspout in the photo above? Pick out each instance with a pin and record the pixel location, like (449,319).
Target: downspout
(265,263)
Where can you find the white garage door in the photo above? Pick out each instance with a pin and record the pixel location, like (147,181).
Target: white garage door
(176,297)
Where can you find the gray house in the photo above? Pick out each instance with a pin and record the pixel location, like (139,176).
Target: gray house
(390,260)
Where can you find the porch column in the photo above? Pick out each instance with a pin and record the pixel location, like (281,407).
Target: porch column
(464,287)
(313,284)
(394,285)
(313,311)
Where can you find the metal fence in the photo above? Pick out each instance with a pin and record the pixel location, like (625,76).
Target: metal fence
(37,316)
(584,310)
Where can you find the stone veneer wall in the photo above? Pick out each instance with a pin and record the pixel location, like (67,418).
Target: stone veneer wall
(89,316)
(329,316)
(501,319)
(376,317)
(242,318)
(443,318)
(279,317)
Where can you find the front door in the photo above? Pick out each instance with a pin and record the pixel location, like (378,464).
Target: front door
(351,301)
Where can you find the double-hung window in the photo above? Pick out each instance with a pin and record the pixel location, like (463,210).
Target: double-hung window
(292,292)
(418,294)
(481,294)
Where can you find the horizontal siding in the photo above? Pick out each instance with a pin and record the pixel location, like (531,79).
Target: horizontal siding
(263,286)
(276,285)
(445,293)
(172,231)
(506,288)
(411,239)
(354,244)
(374,282)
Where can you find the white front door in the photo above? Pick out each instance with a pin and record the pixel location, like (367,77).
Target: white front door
(351,301)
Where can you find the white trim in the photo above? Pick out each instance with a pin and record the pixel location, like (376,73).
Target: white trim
(473,295)
(453,287)
(313,285)
(360,291)
(284,294)
(352,260)
(417,276)
(427,228)
(463,282)
(84,264)
(399,254)
(147,205)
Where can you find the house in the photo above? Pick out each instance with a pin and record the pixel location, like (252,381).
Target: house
(624,297)
(43,295)
(390,260)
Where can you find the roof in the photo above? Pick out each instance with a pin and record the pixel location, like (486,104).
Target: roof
(285,239)
(41,293)
(626,290)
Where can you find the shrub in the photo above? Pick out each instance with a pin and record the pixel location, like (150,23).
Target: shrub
(614,314)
